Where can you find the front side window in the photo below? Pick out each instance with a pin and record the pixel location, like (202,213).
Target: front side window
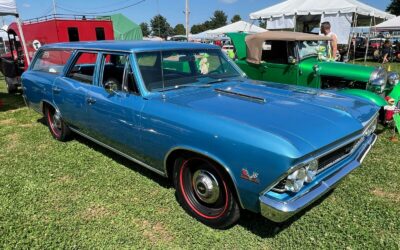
(116,73)
(84,67)
(277,51)
(51,61)
(312,48)
(166,70)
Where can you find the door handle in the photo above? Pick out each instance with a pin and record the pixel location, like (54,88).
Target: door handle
(90,101)
(56,90)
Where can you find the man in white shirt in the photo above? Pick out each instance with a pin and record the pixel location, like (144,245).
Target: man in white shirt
(332,45)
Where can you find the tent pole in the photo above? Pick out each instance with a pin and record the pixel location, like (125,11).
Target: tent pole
(295,22)
(369,37)
(22,37)
(187,19)
(351,36)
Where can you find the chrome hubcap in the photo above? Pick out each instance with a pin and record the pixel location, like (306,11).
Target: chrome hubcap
(206,186)
(57,120)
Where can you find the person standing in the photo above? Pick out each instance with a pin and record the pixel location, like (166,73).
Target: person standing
(332,45)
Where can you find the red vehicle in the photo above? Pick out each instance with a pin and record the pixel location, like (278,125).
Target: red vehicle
(46,30)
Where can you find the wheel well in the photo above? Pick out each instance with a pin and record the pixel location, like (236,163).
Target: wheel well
(174,155)
(44,105)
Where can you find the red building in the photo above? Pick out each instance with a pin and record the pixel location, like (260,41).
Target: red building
(46,30)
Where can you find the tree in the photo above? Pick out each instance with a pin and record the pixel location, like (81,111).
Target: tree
(145,29)
(197,28)
(179,29)
(219,19)
(160,27)
(236,18)
(394,7)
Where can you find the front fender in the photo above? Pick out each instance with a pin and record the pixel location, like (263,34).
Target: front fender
(367,95)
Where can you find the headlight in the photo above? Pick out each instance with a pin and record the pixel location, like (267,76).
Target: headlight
(370,128)
(393,78)
(378,85)
(295,181)
(379,72)
(305,174)
(312,170)
(377,81)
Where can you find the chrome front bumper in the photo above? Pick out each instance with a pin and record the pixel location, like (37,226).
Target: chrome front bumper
(280,211)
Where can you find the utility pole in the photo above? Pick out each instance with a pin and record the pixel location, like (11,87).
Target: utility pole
(54,8)
(187,19)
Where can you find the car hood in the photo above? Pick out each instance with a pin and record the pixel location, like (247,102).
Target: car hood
(346,71)
(307,118)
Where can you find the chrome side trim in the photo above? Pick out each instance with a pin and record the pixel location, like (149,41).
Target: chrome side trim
(280,211)
(120,153)
(210,157)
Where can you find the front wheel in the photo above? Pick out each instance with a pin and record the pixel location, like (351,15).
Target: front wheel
(58,129)
(204,192)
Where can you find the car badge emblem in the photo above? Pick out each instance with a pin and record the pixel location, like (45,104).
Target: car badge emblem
(253,177)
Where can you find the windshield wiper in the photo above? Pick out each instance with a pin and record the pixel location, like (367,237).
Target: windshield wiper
(217,81)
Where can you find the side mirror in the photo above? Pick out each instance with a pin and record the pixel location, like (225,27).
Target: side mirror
(110,87)
(292,60)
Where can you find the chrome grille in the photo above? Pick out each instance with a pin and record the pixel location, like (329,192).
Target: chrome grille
(337,155)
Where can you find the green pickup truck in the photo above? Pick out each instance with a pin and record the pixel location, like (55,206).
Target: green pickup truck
(299,58)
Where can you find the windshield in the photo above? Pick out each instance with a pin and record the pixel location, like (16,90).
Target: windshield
(312,48)
(166,70)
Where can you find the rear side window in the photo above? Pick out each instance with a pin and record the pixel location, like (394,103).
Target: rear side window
(52,61)
(73,34)
(83,68)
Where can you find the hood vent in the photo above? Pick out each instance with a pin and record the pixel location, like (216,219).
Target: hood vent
(241,95)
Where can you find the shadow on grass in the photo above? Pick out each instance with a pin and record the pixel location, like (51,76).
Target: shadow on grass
(163,182)
(265,228)
(10,102)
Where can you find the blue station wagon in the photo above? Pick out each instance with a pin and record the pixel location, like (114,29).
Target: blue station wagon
(187,112)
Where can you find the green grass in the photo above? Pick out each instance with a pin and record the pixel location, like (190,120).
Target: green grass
(79,195)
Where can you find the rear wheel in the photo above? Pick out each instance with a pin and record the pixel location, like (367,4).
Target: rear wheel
(204,192)
(58,129)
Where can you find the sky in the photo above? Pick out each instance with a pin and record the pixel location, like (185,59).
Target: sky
(173,10)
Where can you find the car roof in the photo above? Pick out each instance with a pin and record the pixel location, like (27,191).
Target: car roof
(255,42)
(286,36)
(130,46)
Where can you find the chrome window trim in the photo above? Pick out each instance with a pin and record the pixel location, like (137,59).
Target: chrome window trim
(120,153)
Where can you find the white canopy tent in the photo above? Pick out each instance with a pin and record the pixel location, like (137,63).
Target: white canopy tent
(240,26)
(9,7)
(389,25)
(304,15)
(202,36)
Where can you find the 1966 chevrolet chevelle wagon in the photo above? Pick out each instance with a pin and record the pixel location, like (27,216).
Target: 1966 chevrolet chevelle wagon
(188,113)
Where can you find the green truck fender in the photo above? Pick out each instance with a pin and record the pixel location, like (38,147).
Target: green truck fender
(377,99)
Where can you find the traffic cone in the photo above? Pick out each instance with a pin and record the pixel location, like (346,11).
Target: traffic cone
(389,68)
